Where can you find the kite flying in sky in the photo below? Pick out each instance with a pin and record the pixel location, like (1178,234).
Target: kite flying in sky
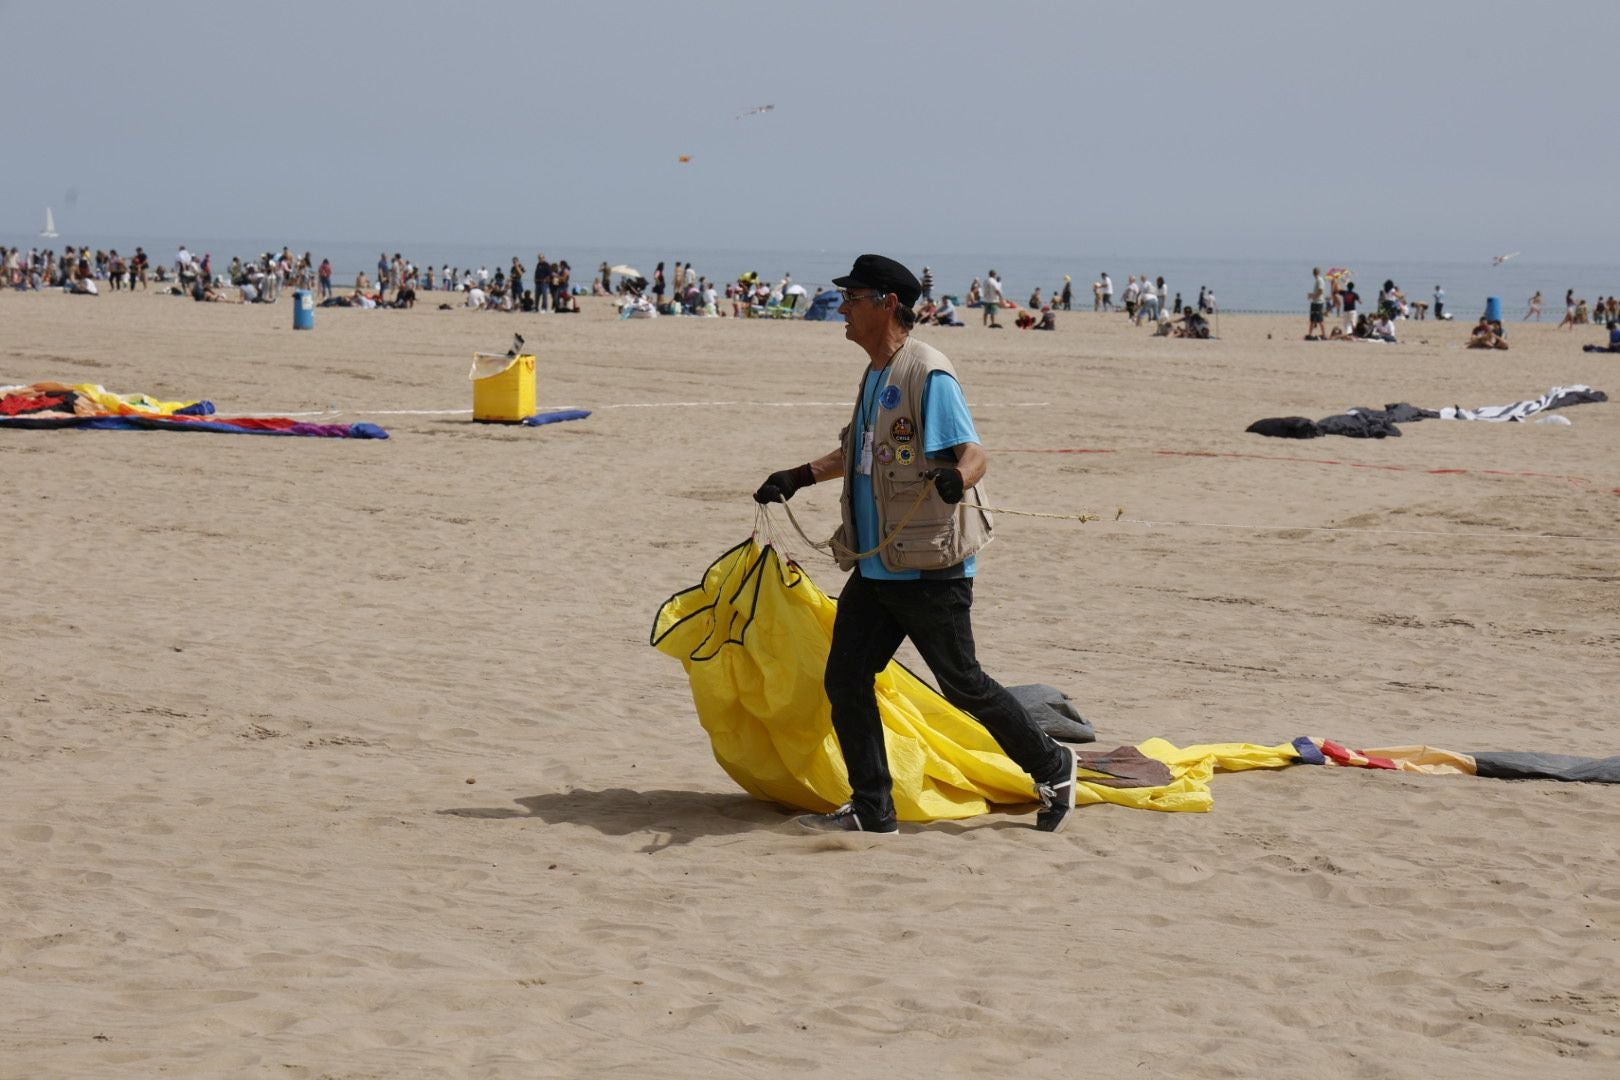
(756,109)
(1500,259)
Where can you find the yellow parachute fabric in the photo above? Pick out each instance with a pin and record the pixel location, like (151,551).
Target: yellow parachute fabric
(124,404)
(753,637)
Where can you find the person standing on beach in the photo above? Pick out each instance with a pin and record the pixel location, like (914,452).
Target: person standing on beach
(910,450)
(1535,307)
(927,284)
(562,296)
(542,283)
(1068,292)
(1107,292)
(991,297)
(1351,300)
(1316,331)
(1569,310)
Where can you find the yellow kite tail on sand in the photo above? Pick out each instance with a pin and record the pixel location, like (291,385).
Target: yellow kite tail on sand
(753,637)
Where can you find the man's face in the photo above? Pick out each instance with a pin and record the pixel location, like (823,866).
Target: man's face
(865,313)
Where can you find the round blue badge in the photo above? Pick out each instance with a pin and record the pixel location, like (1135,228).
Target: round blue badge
(890,397)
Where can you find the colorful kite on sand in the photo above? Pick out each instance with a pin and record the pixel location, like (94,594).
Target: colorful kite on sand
(55,405)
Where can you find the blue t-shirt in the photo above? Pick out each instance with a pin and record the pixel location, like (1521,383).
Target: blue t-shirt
(946,423)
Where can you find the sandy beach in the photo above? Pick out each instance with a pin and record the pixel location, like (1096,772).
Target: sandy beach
(350,759)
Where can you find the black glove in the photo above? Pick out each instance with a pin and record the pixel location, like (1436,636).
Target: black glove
(948,482)
(780,486)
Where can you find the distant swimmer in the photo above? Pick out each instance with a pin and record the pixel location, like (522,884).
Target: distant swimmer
(1500,259)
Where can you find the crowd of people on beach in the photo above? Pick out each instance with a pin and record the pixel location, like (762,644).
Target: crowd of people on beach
(1333,294)
(73,270)
(1145,300)
(691,293)
(1577,312)
(551,289)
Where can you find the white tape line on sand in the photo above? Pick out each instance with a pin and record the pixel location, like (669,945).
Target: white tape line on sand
(798,404)
(645,405)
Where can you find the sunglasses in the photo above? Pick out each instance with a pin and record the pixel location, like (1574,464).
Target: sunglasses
(849,297)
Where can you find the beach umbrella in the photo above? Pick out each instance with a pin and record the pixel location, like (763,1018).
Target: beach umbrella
(794,290)
(624,271)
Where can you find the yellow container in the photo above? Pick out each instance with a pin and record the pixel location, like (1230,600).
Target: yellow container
(503,387)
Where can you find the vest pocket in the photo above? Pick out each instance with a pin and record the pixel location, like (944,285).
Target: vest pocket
(924,546)
(840,545)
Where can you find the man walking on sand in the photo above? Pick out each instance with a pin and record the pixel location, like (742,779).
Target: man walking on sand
(911,452)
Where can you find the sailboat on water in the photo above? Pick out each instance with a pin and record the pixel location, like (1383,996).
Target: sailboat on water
(49,231)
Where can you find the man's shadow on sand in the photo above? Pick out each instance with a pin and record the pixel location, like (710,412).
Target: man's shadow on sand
(671,817)
(674,817)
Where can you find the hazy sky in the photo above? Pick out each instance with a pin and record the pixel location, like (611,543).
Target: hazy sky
(1426,129)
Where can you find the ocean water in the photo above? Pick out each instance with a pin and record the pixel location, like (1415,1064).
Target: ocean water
(1271,286)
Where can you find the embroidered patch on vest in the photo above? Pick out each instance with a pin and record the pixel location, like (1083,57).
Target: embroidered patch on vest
(890,397)
(885,453)
(905,455)
(902,430)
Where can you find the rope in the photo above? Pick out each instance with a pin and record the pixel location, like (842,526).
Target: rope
(1120,519)
(1377,532)
(843,552)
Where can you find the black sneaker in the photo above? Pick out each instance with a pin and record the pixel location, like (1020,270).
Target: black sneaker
(845,819)
(1057,797)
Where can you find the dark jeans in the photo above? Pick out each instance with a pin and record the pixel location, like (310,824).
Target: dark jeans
(873,618)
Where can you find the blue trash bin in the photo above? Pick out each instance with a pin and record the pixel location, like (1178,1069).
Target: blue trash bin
(303,309)
(1493,308)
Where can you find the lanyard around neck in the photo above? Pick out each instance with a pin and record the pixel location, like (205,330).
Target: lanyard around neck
(868,415)
(869,397)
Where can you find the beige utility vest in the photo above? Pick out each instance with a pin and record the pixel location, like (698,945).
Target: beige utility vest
(938,535)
